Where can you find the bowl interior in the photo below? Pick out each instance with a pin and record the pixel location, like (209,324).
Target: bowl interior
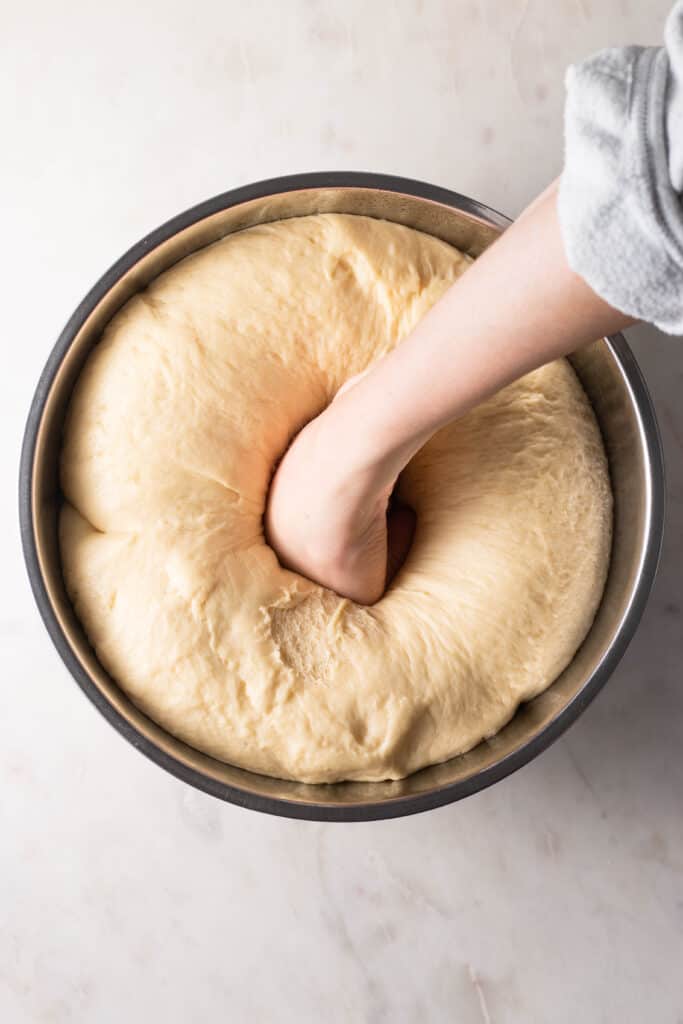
(612,381)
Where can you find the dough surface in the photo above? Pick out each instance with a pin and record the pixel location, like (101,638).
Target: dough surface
(176,423)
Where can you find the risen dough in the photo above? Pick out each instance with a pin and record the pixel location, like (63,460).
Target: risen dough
(176,423)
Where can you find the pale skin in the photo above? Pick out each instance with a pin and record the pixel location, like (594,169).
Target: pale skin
(329,515)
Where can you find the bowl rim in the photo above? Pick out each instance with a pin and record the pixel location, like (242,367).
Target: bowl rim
(390,807)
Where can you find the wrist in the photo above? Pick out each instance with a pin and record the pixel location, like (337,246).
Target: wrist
(369,441)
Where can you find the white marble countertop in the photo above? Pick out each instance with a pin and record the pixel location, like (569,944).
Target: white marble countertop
(557,895)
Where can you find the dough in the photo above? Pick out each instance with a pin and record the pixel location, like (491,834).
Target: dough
(176,423)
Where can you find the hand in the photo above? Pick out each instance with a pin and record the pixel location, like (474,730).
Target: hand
(331,516)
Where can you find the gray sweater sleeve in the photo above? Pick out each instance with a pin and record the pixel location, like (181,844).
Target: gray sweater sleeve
(620,202)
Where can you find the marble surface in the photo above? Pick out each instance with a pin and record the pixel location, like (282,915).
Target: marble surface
(555,896)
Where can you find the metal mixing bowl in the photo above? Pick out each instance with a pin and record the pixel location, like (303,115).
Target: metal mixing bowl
(609,374)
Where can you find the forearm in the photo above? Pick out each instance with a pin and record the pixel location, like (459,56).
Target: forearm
(475,340)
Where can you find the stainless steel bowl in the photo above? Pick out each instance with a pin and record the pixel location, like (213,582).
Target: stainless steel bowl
(609,374)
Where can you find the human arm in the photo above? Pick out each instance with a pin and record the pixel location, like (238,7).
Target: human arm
(518,307)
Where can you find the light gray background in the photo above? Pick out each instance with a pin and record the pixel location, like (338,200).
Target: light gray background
(126,896)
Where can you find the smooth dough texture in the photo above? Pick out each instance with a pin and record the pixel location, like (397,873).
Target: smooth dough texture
(176,423)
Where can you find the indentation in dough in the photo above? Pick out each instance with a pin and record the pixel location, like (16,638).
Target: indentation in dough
(358,727)
(419,731)
(304,633)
